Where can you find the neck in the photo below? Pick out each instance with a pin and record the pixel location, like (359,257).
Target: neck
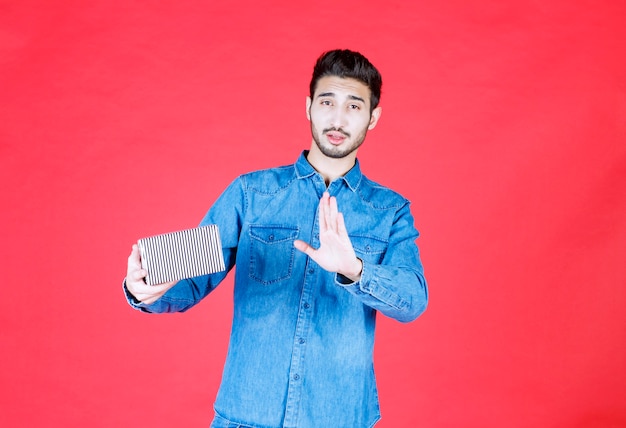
(330,168)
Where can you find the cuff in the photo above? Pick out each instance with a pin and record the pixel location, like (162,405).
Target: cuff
(132,300)
(344,281)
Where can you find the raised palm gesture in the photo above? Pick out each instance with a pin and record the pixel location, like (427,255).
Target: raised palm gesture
(335,253)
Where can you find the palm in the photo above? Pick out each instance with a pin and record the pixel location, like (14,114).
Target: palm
(335,253)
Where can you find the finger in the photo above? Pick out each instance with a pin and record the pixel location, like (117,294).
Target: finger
(303,246)
(341,225)
(157,291)
(134,265)
(138,275)
(160,288)
(322,212)
(328,217)
(134,258)
(332,213)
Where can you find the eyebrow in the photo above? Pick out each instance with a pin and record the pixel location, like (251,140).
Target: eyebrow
(332,94)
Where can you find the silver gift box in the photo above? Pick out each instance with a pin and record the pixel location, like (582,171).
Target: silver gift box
(183,254)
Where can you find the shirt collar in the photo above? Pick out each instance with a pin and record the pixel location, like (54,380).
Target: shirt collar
(304,169)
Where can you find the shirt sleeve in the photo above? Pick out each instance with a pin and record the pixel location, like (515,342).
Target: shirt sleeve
(397,286)
(132,300)
(227,213)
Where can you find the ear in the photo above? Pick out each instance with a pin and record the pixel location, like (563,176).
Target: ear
(308,108)
(374,117)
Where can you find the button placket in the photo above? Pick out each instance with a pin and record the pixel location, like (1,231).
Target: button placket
(299,347)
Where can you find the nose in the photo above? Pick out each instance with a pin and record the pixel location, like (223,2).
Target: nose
(338,118)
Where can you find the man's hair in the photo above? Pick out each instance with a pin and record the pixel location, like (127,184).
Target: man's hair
(348,64)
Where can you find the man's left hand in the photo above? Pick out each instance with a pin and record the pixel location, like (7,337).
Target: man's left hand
(335,253)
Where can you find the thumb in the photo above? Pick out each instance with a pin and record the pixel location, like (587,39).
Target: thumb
(304,247)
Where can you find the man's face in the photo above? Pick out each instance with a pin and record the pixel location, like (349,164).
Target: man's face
(340,115)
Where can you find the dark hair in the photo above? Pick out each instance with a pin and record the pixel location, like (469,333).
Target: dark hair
(348,64)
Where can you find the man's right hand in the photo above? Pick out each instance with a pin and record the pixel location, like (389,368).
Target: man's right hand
(136,284)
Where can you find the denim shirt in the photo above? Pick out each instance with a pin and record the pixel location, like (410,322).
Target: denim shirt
(301,346)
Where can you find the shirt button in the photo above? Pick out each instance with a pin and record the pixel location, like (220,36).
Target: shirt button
(311,271)
(301,341)
(271,237)
(307,306)
(296,377)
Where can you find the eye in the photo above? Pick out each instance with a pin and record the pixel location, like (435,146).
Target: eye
(355,107)
(325,102)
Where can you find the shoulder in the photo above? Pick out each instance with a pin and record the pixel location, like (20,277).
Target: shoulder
(268,181)
(380,196)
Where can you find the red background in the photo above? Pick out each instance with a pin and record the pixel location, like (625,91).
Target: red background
(503,121)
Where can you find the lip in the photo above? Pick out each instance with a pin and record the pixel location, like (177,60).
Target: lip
(335,137)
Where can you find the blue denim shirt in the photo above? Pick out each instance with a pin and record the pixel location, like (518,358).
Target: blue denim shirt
(301,346)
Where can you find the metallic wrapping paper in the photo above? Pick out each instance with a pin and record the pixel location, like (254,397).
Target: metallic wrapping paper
(182,254)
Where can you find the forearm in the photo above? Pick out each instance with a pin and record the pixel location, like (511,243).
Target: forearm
(398,292)
(226,212)
(179,298)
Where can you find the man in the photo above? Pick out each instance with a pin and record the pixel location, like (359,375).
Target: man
(308,283)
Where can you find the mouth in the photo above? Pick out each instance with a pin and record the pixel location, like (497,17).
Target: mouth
(336,136)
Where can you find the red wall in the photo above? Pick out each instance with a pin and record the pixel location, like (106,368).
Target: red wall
(504,123)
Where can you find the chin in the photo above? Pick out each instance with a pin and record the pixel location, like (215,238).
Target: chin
(335,152)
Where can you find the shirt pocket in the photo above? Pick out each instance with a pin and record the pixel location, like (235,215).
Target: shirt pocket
(271,252)
(368,248)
